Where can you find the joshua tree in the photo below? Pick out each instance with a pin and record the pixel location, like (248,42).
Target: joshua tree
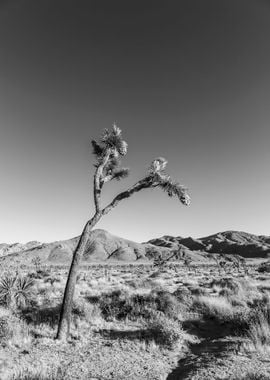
(220,261)
(36,261)
(241,263)
(187,262)
(108,152)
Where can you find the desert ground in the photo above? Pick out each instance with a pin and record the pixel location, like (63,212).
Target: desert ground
(137,321)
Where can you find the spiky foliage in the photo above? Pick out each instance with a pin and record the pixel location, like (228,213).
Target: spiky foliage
(7,285)
(164,181)
(112,143)
(23,291)
(15,290)
(110,140)
(158,165)
(98,150)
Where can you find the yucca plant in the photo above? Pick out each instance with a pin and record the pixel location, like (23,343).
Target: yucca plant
(108,152)
(15,290)
(7,285)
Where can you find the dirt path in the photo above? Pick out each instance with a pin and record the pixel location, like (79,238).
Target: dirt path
(215,350)
(202,356)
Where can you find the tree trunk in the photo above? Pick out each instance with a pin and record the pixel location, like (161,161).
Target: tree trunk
(65,315)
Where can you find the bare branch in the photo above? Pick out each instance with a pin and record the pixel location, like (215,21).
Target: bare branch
(98,181)
(144,183)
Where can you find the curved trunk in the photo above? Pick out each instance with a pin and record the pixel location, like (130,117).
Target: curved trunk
(65,315)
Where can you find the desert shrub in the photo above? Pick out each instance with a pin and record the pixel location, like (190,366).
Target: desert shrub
(164,331)
(5,324)
(198,291)
(120,305)
(52,280)
(264,267)
(85,310)
(12,329)
(167,303)
(184,297)
(42,315)
(228,283)
(114,305)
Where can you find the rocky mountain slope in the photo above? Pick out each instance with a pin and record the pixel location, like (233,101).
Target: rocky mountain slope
(229,242)
(6,249)
(103,246)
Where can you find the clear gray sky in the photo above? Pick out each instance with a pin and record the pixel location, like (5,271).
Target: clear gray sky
(186,79)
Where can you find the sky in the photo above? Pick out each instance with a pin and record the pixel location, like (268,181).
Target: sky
(188,80)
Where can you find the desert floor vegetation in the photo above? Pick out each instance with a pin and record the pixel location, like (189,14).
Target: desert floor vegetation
(136,322)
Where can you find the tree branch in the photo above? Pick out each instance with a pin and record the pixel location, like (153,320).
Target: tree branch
(142,184)
(98,182)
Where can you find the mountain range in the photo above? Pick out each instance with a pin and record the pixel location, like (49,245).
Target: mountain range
(105,247)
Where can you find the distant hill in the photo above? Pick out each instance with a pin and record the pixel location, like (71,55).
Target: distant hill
(102,246)
(229,242)
(237,242)
(6,249)
(105,247)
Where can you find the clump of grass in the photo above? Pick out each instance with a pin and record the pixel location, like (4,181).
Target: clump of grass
(32,373)
(259,328)
(252,374)
(13,330)
(239,292)
(213,307)
(5,324)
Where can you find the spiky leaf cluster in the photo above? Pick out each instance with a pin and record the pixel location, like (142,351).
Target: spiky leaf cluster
(15,290)
(158,165)
(164,181)
(114,170)
(112,143)
(111,140)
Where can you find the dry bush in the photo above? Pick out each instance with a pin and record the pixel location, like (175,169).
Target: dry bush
(48,315)
(264,267)
(85,310)
(121,305)
(164,331)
